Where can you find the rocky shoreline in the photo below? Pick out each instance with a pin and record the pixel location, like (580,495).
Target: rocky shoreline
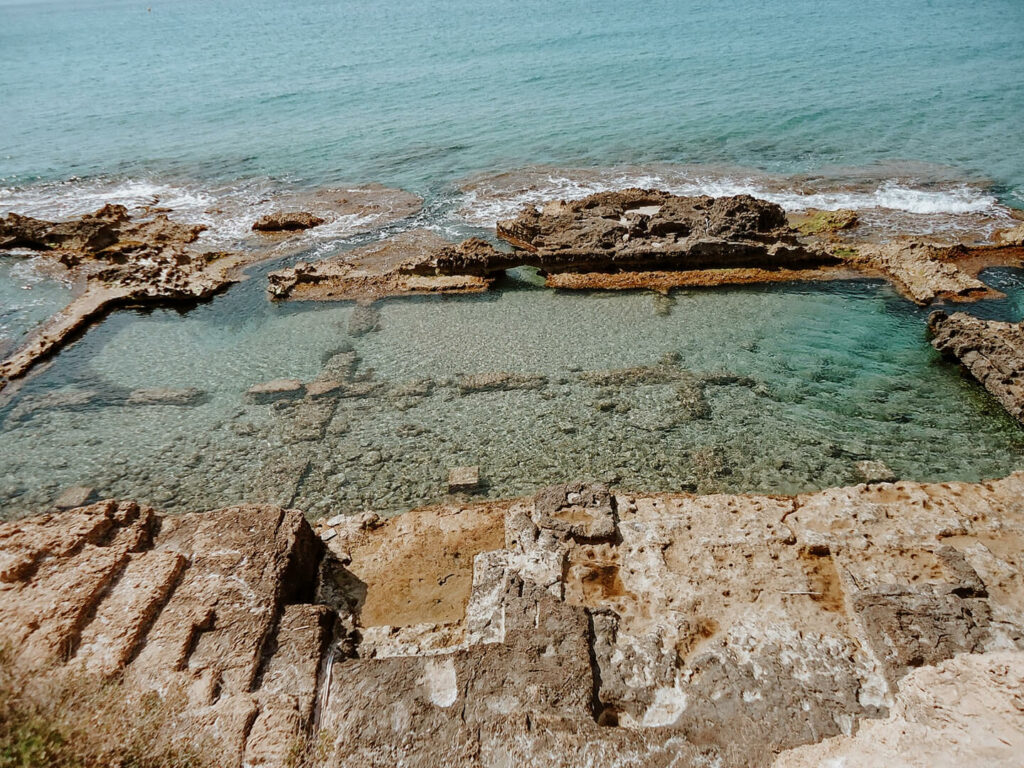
(117,259)
(647,239)
(577,627)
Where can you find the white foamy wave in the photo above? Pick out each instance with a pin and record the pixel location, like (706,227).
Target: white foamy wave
(227,211)
(486,202)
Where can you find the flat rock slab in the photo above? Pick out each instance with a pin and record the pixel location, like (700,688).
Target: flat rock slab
(76,496)
(414,262)
(278,389)
(463,479)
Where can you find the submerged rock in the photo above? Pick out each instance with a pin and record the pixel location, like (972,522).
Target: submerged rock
(165,396)
(463,479)
(874,471)
(76,496)
(272,391)
(499,381)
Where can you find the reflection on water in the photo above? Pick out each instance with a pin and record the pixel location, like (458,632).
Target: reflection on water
(772,389)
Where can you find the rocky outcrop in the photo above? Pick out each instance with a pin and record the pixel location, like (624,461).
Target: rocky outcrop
(282,221)
(992,352)
(413,262)
(580,627)
(648,239)
(119,261)
(815,222)
(647,229)
(925,273)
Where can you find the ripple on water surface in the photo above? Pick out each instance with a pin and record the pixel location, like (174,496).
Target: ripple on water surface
(773,389)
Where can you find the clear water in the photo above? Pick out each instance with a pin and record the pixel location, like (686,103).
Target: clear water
(905,111)
(417,94)
(820,378)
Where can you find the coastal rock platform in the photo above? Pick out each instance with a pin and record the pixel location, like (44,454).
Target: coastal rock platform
(990,351)
(649,239)
(114,257)
(415,262)
(577,627)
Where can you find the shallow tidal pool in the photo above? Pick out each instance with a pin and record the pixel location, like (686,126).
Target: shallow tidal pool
(776,389)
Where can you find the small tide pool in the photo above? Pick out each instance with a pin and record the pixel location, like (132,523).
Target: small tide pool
(777,389)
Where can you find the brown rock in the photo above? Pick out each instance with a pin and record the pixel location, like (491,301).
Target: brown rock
(277,389)
(652,230)
(413,262)
(165,396)
(992,352)
(924,272)
(461,479)
(576,627)
(282,221)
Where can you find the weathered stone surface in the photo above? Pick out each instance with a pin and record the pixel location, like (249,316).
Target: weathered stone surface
(815,222)
(1014,236)
(965,711)
(924,272)
(410,263)
(874,471)
(76,496)
(165,396)
(272,391)
(462,479)
(648,229)
(579,627)
(92,233)
(283,221)
(992,352)
(119,260)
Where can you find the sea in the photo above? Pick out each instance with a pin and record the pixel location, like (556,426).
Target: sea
(908,112)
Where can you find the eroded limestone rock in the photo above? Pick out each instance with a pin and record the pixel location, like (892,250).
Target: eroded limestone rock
(575,627)
(410,263)
(282,221)
(992,352)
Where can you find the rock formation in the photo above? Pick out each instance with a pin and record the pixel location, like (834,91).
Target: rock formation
(120,261)
(117,259)
(992,352)
(287,222)
(647,229)
(579,627)
(642,238)
(410,263)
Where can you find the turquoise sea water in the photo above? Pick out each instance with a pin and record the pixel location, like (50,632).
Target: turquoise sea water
(419,93)
(776,389)
(908,112)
